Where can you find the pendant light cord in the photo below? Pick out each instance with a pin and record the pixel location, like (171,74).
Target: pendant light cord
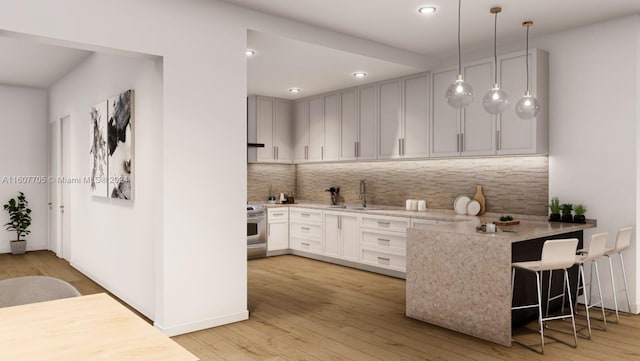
(526,56)
(495,51)
(459,51)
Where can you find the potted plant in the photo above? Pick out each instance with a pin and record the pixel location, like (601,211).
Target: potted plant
(19,221)
(554,206)
(566,212)
(580,210)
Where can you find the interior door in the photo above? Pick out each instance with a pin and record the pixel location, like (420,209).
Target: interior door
(55,172)
(59,170)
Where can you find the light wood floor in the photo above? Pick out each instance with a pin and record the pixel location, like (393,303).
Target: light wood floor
(308,310)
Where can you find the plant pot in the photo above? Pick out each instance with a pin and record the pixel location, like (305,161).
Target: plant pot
(579,218)
(567,218)
(554,217)
(18,247)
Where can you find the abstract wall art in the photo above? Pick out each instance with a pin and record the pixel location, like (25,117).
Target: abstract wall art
(118,146)
(98,152)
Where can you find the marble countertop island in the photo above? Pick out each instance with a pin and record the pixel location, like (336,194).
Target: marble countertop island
(460,279)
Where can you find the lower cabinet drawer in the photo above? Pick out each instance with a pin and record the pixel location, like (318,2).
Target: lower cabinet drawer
(380,258)
(388,240)
(306,245)
(307,230)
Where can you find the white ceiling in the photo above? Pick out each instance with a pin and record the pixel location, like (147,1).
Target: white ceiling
(31,64)
(282,63)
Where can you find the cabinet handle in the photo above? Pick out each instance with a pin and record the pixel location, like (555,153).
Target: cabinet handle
(358,148)
(457,142)
(274,152)
(278,214)
(305,215)
(384,224)
(277,152)
(355,149)
(305,228)
(497,139)
(305,244)
(322,152)
(384,259)
(404,146)
(340,222)
(400,146)
(384,242)
(462,142)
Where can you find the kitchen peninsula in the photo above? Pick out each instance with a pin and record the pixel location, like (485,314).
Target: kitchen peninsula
(460,279)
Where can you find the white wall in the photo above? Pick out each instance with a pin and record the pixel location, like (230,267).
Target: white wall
(593,118)
(112,241)
(23,152)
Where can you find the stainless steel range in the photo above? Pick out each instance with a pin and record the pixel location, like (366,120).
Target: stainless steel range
(256,232)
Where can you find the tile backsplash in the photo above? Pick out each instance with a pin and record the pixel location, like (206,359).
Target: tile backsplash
(510,184)
(280,177)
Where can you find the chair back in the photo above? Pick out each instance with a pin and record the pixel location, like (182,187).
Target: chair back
(558,254)
(623,239)
(597,246)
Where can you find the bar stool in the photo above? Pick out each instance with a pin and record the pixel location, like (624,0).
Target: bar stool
(623,240)
(557,254)
(596,249)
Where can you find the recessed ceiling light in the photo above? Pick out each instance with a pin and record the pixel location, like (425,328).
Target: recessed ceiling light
(360,74)
(295,90)
(427,10)
(250,52)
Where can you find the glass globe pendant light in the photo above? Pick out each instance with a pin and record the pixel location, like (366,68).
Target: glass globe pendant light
(528,106)
(495,101)
(460,93)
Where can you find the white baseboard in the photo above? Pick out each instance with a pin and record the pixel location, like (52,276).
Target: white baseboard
(176,330)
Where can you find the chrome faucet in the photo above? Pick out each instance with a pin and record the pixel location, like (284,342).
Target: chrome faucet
(363,191)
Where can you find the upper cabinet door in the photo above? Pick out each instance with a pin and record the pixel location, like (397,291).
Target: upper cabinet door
(348,124)
(300,130)
(266,124)
(445,132)
(316,129)
(524,136)
(415,142)
(283,134)
(390,136)
(368,123)
(478,126)
(331,128)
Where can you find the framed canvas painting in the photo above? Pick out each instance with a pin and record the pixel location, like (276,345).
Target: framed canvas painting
(120,145)
(98,151)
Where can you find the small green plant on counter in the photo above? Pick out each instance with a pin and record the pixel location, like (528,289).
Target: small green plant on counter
(506,218)
(580,210)
(554,206)
(566,208)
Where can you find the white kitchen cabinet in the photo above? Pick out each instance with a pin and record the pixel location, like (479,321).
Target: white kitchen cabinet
(277,229)
(316,129)
(404,117)
(368,122)
(341,235)
(269,123)
(383,241)
(524,136)
(415,132)
(305,230)
(349,124)
(300,131)
(477,127)
(389,108)
(331,148)
(466,132)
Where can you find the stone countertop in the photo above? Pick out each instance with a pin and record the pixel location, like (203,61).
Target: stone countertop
(529,227)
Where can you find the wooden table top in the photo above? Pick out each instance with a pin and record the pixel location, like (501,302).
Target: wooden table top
(93,327)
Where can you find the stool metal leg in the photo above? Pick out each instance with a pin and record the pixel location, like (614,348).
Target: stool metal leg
(626,287)
(586,298)
(538,286)
(613,288)
(573,320)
